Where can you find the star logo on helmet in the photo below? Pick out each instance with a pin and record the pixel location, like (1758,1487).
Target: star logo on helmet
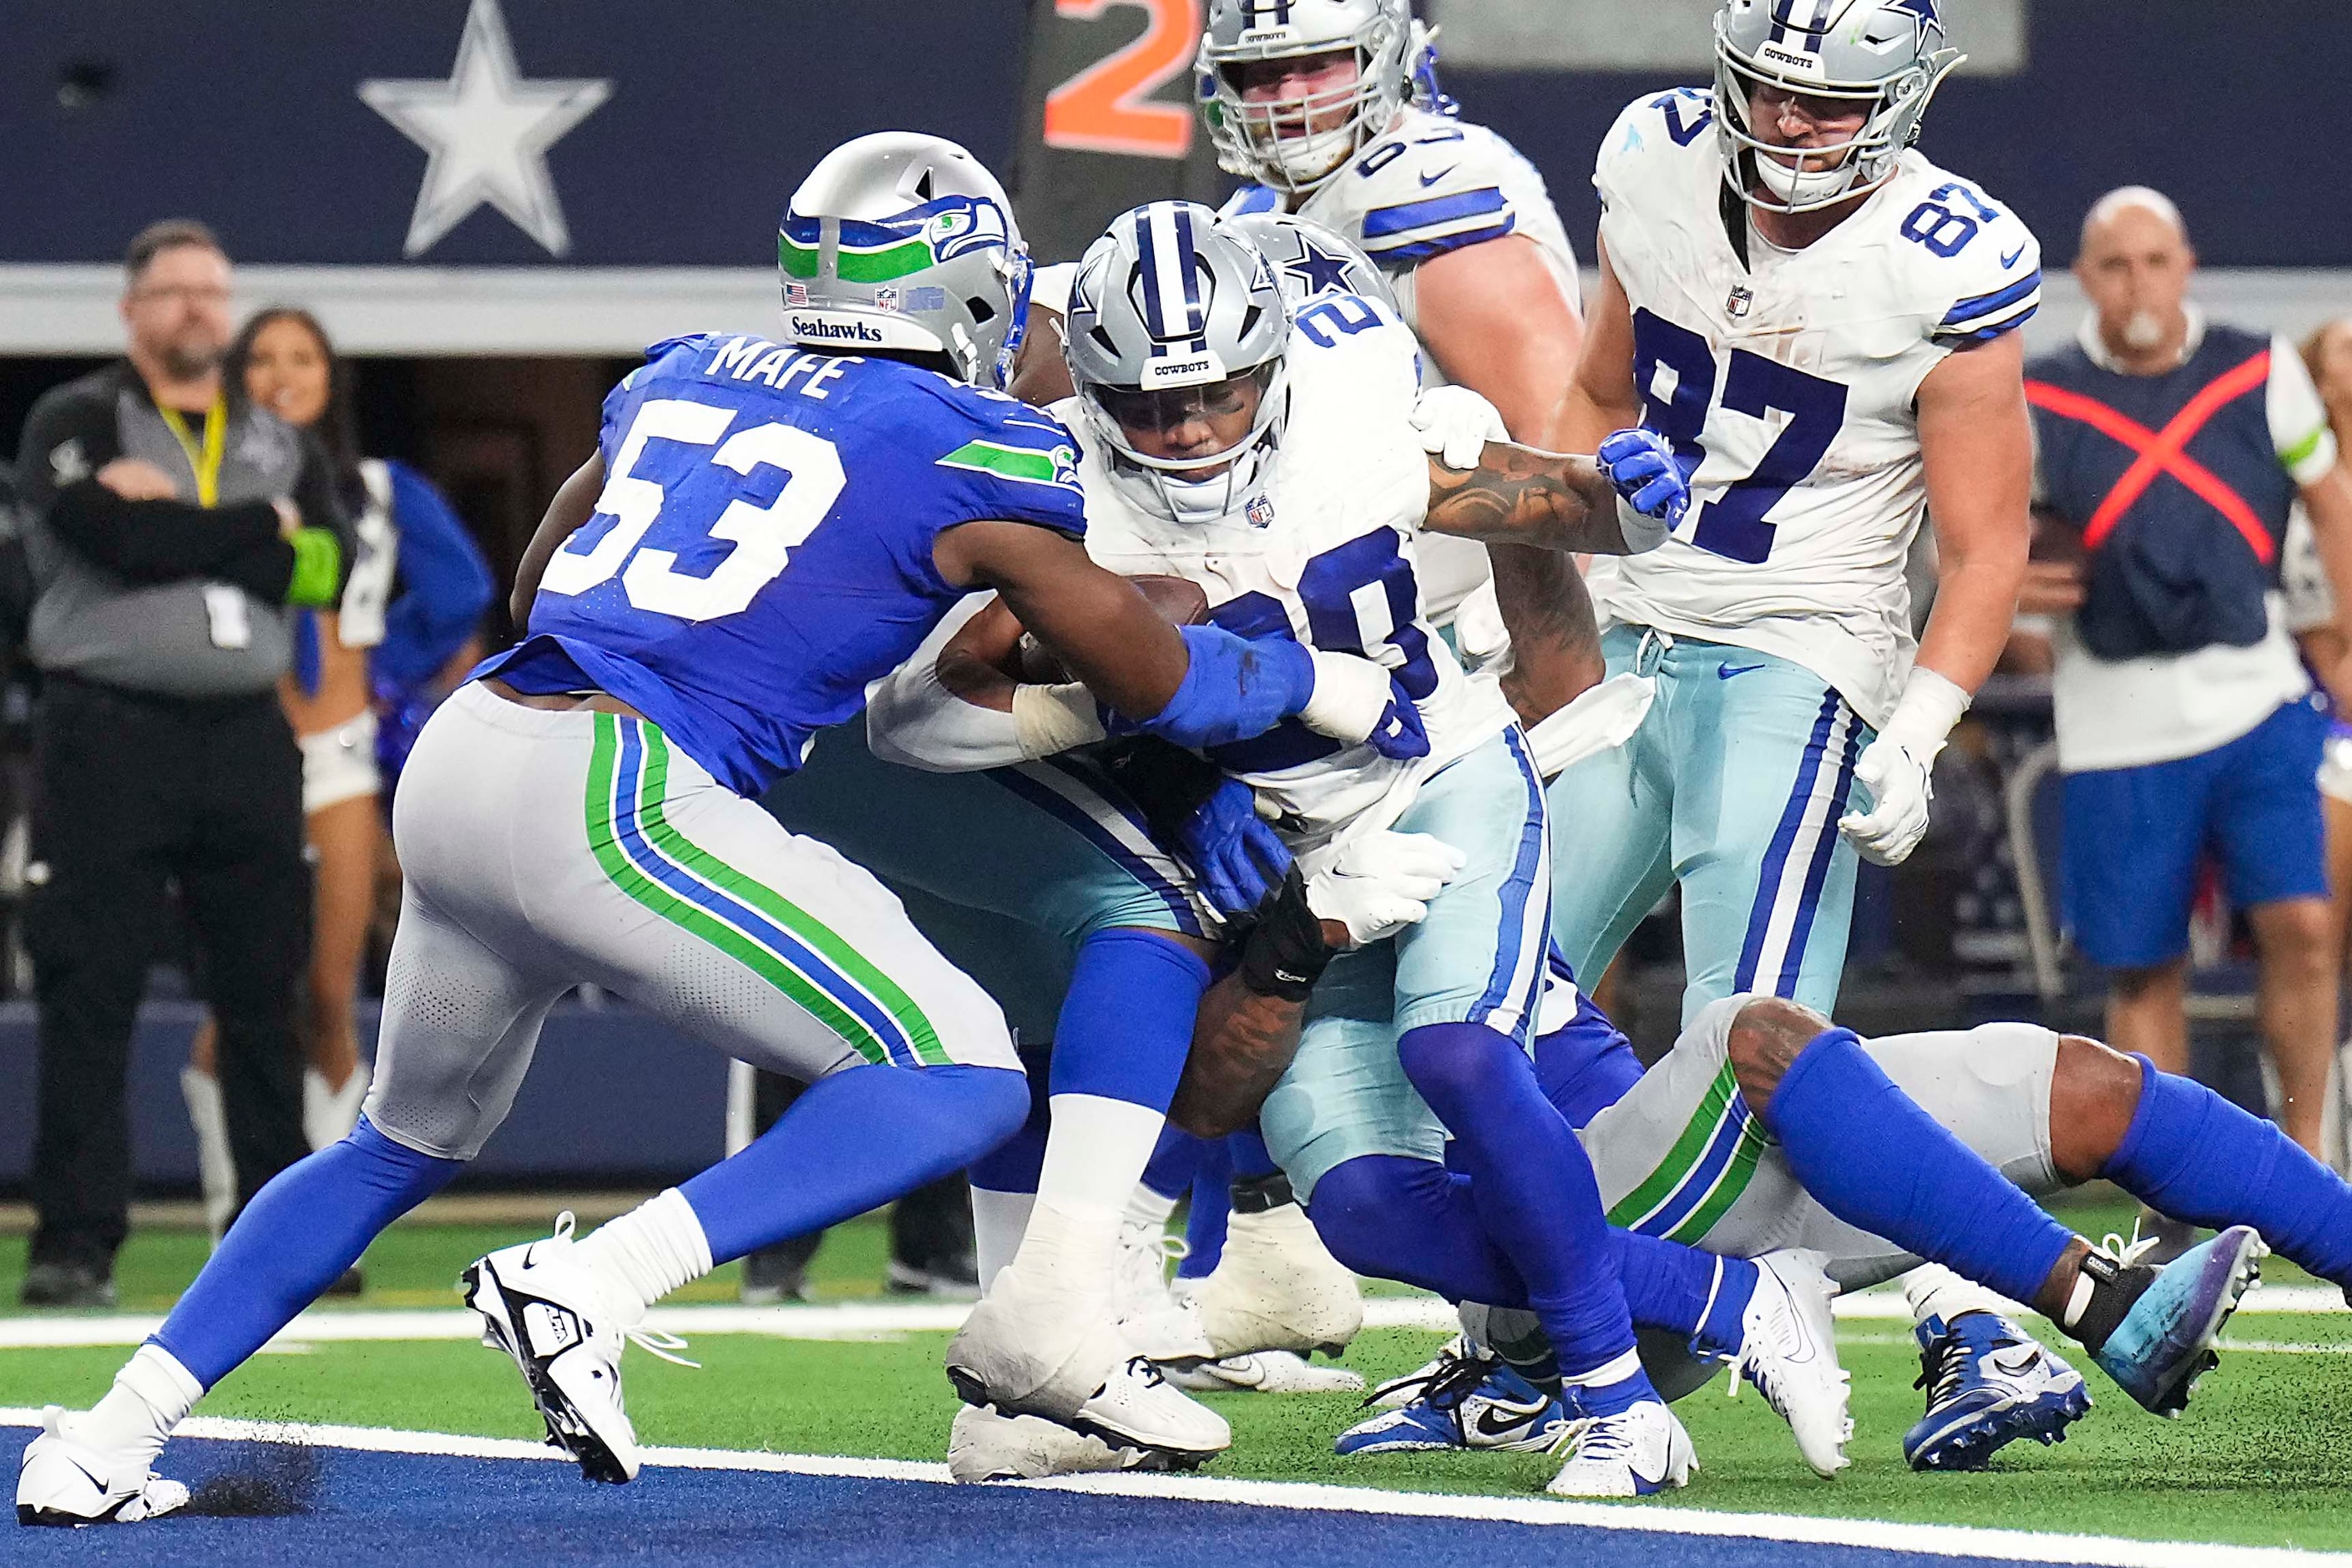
(1318,270)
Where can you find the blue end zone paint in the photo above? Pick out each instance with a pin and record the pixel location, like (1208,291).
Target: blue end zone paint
(401,1507)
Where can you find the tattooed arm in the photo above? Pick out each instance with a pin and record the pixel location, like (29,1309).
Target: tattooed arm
(1519,496)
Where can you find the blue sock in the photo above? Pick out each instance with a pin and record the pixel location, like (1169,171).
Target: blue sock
(1173,1163)
(1413,1221)
(1684,1291)
(2192,1154)
(1206,1216)
(1249,1154)
(293,1240)
(1013,1165)
(1868,1155)
(1532,1185)
(852,1142)
(1126,1023)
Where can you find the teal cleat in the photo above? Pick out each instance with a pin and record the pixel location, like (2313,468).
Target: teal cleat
(2164,1343)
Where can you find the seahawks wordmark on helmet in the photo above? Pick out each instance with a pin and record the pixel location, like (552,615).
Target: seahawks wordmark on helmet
(1887,57)
(901,241)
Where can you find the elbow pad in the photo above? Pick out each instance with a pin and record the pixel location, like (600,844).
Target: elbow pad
(1233,687)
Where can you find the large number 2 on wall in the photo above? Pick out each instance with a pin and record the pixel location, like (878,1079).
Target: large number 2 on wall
(1106,107)
(763,536)
(1676,403)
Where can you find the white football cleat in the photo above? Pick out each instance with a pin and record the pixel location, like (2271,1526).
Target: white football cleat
(64,1482)
(1788,1350)
(1275,1288)
(1262,1372)
(1028,1351)
(541,1305)
(985,1444)
(1638,1451)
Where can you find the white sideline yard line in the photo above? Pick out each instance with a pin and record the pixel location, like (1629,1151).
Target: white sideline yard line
(1933,1540)
(867,1321)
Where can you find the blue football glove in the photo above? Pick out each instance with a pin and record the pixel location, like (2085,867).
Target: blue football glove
(1233,687)
(1399,736)
(1642,466)
(1237,855)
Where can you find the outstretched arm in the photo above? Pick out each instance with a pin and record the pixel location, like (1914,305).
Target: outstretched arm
(574,504)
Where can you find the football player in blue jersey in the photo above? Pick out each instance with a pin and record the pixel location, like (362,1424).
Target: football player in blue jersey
(764,529)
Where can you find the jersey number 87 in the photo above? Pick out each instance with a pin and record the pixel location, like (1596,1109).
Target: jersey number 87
(1732,525)
(763,536)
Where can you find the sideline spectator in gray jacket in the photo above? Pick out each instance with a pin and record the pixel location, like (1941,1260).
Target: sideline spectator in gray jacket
(169,526)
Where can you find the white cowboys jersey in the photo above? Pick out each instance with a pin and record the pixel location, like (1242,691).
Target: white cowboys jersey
(1432,184)
(1792,380)
(1327,555)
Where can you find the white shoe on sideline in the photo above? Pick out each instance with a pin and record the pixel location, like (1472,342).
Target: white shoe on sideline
(62,1480)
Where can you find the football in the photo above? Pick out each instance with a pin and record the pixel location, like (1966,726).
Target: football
(1178,598)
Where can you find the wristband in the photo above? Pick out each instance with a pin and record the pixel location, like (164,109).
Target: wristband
(1286,953)
(1641,531)
(1047,720)
(1233,687)
(317,568)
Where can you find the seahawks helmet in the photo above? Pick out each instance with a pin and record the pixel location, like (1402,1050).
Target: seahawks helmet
(1311,261)
(1171,307)
(899,241)
(1294,144)
(1887,56)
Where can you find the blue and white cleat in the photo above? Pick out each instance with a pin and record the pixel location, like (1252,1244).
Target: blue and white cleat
(1634,1452)
(2165,1342)
(1461,1402)
(1989,1384)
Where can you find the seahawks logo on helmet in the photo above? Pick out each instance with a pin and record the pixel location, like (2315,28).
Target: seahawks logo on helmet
(959,224)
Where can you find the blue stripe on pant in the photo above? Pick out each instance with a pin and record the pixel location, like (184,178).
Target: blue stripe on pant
(1733,787)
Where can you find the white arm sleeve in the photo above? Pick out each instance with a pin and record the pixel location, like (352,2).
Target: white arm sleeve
(2298,420)
(915,722)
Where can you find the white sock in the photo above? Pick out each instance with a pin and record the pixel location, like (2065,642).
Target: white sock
(647,1253)
(998,1222)
(151,1394)
(215,1168)
(329,1114)
(1095,1155)
(1935,1291)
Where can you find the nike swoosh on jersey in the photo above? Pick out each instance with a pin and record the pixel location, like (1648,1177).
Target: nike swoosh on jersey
(2010,259)
(1725,671)
(1429,180)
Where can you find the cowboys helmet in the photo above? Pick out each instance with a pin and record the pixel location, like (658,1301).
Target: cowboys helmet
(1887,56)
(899,241)
(1171,307)
(1311,261)
(1294,144)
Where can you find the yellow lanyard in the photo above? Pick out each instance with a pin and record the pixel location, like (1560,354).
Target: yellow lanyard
(205,459)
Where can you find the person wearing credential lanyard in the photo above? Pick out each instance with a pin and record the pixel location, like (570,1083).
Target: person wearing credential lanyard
(172,529)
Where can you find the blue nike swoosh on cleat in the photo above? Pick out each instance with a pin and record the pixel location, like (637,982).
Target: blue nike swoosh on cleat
(2010,259)
(1725,671)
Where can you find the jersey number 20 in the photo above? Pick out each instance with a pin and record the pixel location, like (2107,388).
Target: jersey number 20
(1676,403)
(763,536)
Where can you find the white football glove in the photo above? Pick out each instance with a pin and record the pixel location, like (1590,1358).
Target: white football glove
(1900,789)
(1455,424)
(1899,769)
(1381,883)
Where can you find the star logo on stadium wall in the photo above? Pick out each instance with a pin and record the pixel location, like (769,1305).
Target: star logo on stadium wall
(489,131)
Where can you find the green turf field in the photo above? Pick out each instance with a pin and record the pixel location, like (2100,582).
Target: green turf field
(2260,1459)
